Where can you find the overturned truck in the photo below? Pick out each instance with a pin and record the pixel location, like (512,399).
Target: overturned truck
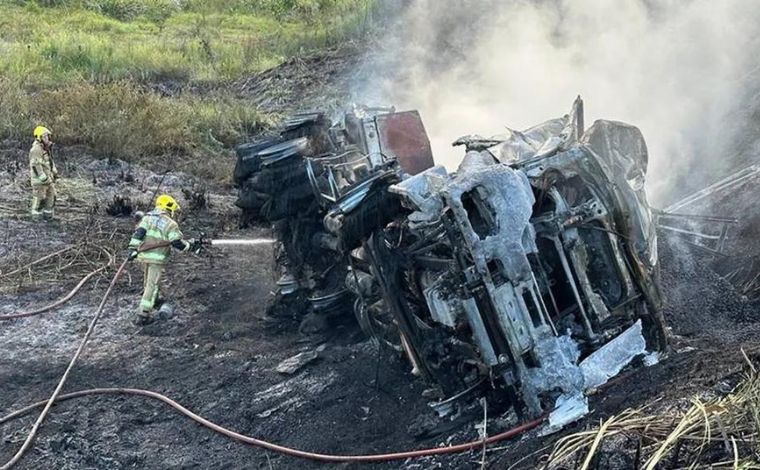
(528,275)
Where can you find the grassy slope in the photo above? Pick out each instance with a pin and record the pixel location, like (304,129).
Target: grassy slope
(84,68)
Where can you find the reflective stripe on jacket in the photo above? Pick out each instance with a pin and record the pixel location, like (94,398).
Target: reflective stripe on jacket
(158,226)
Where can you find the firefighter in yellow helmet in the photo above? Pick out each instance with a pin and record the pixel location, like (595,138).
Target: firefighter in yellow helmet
(43,173)
(155,236)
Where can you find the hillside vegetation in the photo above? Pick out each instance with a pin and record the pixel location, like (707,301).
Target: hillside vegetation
(87,69)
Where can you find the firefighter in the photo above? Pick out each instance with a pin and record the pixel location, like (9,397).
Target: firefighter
(43,173)
(151,244)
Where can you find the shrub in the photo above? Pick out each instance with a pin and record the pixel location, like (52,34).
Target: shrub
(120,120)
(14,110)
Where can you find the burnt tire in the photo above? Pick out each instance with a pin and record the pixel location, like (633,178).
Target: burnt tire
(248,162)
(288,203)
(274,180)
(376,210)
(293,167)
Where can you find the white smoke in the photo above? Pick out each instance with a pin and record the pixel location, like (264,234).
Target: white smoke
(678,69)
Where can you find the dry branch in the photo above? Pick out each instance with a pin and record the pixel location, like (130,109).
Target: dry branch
(677,432)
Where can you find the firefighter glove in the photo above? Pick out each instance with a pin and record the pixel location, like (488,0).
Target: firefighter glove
(195,245)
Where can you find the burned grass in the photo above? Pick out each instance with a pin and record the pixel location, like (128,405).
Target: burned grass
(719,432)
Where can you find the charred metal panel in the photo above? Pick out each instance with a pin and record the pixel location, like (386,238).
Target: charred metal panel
(403,137)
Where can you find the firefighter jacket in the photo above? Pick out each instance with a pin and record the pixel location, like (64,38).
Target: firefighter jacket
(42,169)
(155,227)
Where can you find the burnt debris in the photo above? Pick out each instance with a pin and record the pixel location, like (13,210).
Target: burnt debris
(529,274)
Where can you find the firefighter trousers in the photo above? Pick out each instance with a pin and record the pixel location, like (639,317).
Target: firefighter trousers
(43,199)
(152,273)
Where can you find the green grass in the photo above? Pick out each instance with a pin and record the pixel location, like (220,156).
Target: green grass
(155,39)
(84,68)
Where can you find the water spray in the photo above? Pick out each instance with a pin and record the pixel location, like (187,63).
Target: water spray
(242,241)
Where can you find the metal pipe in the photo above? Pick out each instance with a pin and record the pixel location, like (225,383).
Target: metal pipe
(571,280)
(542,307)
(726,183)
(708,218)
(689,232)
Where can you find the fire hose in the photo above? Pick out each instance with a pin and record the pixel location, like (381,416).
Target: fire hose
(215,427)
(28,313)
(275,447)
(55,304)
(49,403)
(63,299)
(75,290)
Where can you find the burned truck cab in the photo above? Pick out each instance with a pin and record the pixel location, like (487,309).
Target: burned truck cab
(522,270)
(322,185)
(528,275)
(596,242)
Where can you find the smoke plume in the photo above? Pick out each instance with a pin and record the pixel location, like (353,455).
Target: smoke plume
(680,70)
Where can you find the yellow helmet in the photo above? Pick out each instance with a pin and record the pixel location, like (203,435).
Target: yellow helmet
(166,203)
(39,131)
